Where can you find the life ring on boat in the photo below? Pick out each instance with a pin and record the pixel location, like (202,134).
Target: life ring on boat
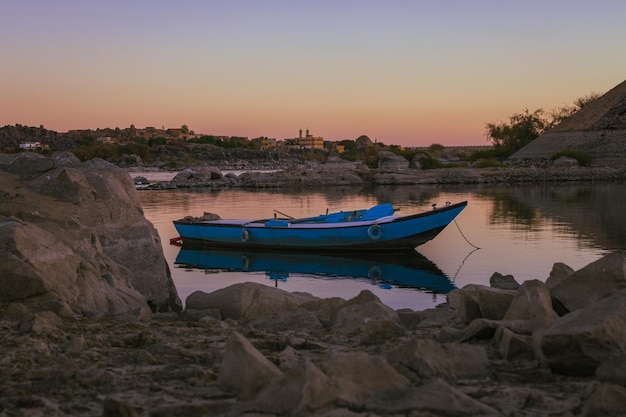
(374,232)
(245,263)
(244,235)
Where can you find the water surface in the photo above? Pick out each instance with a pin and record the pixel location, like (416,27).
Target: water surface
(520,230)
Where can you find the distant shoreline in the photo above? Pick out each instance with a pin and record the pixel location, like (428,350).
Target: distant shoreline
(321,176)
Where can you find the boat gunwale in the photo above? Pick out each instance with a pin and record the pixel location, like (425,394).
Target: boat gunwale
(242,223)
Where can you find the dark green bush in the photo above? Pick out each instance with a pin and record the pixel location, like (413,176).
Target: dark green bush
(495,153)
(431,162)
(368,155)
(488,163)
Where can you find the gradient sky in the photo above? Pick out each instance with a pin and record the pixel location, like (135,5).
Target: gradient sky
(410,73)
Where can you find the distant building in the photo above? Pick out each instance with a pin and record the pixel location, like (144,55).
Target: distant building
(265,143)
(104,139)
(334,147)
(310,141)
(176,133)
(30,145)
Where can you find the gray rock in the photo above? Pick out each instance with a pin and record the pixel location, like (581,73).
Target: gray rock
(389,161)
(297,392)
(132,160)
(65,184)
(244,369)
(512,345)
(247,301)
(48,269)
(74,251)
(436,398)
(430,359)
(478,301)
(325,309)
(367,318)
(419,161)
(558,274)
(486,329)
(532,302)
(613,370)
(606,400)
(503,282)
(434,318)
(580,341)
(593,282)
(362,378)
(29,165)
(336,163)
(66,159)
(197,177)
(43,322)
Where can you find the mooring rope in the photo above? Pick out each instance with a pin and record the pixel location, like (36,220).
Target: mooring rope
(460,231)
(468,255)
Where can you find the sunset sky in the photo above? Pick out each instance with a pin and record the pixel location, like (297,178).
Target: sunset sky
(410,73)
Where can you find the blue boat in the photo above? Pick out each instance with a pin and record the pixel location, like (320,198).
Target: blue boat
(375,229)
(408,270)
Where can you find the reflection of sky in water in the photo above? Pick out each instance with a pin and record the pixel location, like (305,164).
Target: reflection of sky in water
(508,246)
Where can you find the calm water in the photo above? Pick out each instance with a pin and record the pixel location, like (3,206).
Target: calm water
(520,230)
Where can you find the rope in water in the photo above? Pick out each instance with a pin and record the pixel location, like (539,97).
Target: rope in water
(462,263)
(460,231)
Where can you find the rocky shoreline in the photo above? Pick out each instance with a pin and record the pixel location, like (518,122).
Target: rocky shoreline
(88,329)
(254,350)
(337,172)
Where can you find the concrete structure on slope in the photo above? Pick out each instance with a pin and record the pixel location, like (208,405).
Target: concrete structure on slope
(597,130)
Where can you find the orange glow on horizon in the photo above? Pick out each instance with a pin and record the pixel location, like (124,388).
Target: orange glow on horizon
(404,73)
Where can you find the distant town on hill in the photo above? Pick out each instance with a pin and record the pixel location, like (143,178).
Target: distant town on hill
(175,147)
(19,136)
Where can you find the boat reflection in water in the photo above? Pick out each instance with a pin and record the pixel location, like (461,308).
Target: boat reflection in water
(408,270)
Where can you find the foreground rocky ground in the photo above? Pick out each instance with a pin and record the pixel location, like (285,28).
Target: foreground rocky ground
(556,348)
(87,328)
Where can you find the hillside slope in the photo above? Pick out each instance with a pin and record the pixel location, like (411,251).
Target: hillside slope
(598,129)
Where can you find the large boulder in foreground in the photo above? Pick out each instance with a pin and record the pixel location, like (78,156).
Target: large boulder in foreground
(73,238)
(579,342)
(478,301)
(591,283)
(247,301)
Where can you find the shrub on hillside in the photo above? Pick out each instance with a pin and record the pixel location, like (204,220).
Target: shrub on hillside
(488,163)
(495,153)
(368,155)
